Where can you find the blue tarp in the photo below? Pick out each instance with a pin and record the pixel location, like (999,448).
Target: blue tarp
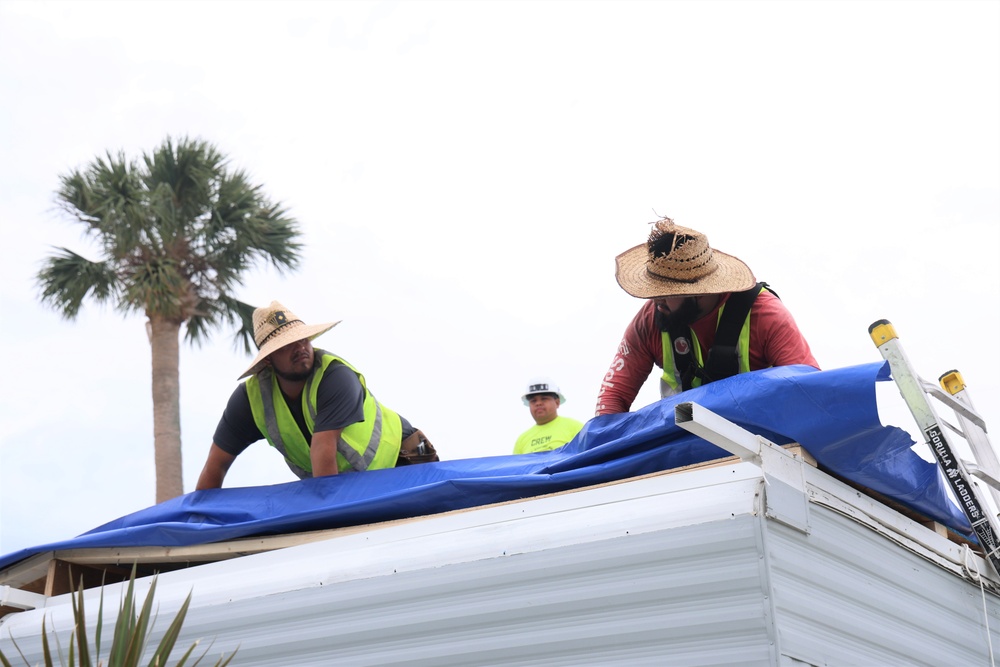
(833,414)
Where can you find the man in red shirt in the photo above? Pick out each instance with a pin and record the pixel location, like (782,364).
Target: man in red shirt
(689,287)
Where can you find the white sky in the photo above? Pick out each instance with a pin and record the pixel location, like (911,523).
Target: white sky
(464,175)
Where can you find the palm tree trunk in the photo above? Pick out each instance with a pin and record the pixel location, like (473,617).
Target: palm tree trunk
(163,338)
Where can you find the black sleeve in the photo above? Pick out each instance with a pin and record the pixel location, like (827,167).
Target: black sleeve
(236,430)
(340,399)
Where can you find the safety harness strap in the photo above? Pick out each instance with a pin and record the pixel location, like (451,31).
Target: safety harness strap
(723,359)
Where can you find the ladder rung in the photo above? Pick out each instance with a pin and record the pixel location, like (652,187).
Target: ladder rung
(953,403)
(975,469)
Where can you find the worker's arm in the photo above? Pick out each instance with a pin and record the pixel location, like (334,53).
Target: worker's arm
(640,349)
(323,452)
(216,467)
(775,338)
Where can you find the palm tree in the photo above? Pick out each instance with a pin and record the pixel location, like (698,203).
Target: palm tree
(176,231)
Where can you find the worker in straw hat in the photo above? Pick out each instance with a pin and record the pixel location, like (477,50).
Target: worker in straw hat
(312,406)
(551,430)
(705,318)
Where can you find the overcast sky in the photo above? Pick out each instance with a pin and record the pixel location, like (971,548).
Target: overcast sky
(464,175)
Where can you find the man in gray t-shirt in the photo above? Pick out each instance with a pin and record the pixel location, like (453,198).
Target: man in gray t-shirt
(346,428)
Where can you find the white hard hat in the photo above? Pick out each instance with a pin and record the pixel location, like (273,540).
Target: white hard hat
(542,385)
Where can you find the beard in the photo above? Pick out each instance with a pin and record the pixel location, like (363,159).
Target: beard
(293,377)
(685,316)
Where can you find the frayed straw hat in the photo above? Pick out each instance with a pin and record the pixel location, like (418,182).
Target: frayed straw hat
(677,261)
(275,327)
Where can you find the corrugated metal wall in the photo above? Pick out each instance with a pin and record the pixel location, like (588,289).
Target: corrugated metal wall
(622,574)
(845,595)
(674,570)
(622,601)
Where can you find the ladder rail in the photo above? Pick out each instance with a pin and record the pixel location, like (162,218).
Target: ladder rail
(914,393)
(974,431)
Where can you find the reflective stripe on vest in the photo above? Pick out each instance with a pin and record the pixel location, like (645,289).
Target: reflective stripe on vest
(355,459)
(370,444)
(265,397)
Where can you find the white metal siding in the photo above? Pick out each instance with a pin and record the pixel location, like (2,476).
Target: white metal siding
(848,596)
(621,575)
(669,570)
(690,596)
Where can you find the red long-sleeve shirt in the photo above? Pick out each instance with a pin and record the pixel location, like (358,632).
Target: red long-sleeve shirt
(775,340)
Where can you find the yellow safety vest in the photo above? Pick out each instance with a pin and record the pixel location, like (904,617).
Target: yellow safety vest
(367,445)
(670,382)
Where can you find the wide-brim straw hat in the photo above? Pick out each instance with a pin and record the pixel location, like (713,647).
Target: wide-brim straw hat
(274,327)
(678,261)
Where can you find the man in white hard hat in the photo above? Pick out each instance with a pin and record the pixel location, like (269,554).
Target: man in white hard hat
(550,431)
(312,406)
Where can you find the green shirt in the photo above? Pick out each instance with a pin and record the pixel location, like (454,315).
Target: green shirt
(542,438)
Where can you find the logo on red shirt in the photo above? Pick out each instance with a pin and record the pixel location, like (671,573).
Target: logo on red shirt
(682,346)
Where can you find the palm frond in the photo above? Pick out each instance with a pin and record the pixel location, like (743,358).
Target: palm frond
(67,278)
(211,314)
(158,286)
(178,230)
(109,197)
(243,339)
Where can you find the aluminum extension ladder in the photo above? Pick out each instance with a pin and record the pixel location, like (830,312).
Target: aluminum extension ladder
(917,392)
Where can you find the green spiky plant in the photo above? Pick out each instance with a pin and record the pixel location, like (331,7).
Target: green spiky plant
(129,640)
